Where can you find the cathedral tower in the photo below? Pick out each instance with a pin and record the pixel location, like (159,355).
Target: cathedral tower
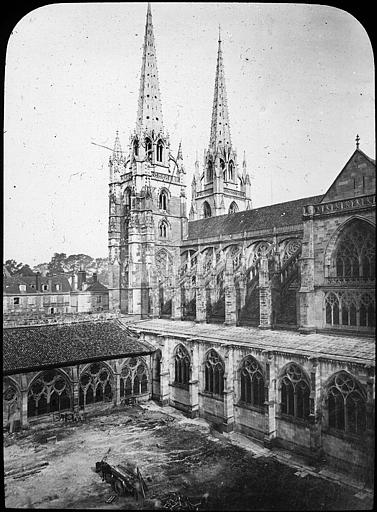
(221,188)
(147,204)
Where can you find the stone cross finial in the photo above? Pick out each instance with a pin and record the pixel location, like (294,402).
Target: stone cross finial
(357,141)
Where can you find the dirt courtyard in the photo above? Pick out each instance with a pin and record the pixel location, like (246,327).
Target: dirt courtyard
(172,452)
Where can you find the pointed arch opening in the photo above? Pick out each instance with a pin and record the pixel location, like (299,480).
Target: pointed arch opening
(148,149)
(209,171)
(251,383)
(160,150)
(49,392)
(295,392)
(207,212)
(181,367)
(214,370)
(354,253)
(231,170)
(136,146)
(346,404)
(233,208)
(163,200)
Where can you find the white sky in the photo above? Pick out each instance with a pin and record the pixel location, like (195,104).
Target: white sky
(300,86)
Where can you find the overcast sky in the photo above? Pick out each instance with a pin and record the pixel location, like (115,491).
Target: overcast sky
(300,86)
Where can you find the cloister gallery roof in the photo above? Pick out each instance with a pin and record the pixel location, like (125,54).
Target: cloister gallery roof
(44,346)
(266,217)
(318,345)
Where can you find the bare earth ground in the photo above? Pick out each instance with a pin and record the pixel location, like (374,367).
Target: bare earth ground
(173,454)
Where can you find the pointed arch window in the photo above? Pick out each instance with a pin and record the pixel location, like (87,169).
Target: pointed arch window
(231,170)
(223,169)
(206,210)
(295,392)
(163,200)
(148,149)
(346,404)
(136,147)
(181,367)
(252,382)
(50,392)
(233,208)
(96,385)
(127,199)
(354,256)
(209,171)
(134,378)
(160,148)
(214,370)
(163,229)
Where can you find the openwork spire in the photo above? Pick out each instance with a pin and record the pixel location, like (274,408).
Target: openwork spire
(149,114)
(220,129)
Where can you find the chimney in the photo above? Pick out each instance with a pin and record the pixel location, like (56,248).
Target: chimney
(38,281)
(50,284)
(94,277)
(81,278)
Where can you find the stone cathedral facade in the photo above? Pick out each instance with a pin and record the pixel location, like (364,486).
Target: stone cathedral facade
(274,307)
(260,320)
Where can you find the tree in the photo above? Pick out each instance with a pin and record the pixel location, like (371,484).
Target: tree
(12,266)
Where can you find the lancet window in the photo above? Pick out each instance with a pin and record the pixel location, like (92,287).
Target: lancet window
(209,170)
(214,373)
(136,147)
(346,404)
(233,208)
(295,392)
(148,149)
(95,385)
(163,229)
(206,210)
(160,148)
(49,392)
(181,366)
(252,382)
(134,378)
(163,200)
(231,170)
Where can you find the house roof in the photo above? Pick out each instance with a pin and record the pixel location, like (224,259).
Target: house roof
(97,287)
(48,346)
(266,217)
(61,280)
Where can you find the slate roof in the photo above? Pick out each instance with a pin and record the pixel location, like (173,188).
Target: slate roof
(47,346)
(321,345)
(97,287)
(28,280)
(266,217)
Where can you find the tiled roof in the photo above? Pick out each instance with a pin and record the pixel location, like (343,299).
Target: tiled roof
(46,346)
(266,217)
(344,348)
(11,285)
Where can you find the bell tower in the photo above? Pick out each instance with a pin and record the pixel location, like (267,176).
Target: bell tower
(221,188)
(150,200)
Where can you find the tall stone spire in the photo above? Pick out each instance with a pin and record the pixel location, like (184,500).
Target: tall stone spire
(149,114)
(220,129)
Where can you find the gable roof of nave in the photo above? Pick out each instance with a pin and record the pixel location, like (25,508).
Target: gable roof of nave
(266,217)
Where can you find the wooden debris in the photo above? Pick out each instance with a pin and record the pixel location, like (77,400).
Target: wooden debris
(24,469)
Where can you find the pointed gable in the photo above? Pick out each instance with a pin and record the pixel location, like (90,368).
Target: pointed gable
(358,178)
